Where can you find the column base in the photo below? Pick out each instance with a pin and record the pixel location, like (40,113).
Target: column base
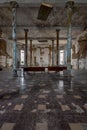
(15,73)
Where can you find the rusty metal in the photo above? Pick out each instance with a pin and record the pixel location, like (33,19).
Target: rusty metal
(30,52)
(26,45)
(57,47)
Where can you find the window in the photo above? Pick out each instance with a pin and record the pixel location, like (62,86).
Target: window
(61,57)
(22,57)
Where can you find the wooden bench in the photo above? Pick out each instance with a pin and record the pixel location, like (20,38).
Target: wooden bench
(50,68)
(34,69)
(43,69)
(56,68)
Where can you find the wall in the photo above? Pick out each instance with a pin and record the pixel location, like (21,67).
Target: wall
(79,48)
(6,53)
(41,53)
(42,57)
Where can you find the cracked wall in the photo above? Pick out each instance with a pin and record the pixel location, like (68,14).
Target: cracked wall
(79,49)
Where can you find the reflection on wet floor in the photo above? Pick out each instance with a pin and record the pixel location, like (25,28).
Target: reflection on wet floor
(42,101)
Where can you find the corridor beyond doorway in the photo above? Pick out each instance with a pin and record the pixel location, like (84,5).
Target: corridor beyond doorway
(22,57)
(61,57)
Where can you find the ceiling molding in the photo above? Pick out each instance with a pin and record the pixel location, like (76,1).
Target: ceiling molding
(44,26)
(41,38)
(37,3)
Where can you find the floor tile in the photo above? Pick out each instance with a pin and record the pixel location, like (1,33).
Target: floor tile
(64,107)
(24,96)
(59,96)
(3,106)
(18,107)
(9,104)
(7,126)
(34,110)
(70,90)
(6,97)
(42,126)
(46,91)
(77,97)
(78,109)
(42,96)
(2,111)
(85,105)
(84,126)
(42,85)
(1,90)
(75,126)
(41,107)
(85,90)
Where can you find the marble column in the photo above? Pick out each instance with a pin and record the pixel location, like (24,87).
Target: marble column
(34,56)
(77,62)
(26,46)
(30,52)
(50,55)
(18,56)
(6,63)
(69,6)
(65,55)
(52,52)
(14,6)
(57,47)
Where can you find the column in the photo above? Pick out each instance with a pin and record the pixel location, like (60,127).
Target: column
(57,47)
(14,6)
(69,6)
(78,61)
(6,63)
(26,46)
(18,56)
(49,55)
(52,52)
(30,52)
(65,55)
(34,55)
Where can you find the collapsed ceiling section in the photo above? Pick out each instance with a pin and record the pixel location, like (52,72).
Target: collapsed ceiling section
(44,11)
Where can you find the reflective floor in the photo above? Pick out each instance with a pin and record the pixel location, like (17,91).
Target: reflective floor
(42,101)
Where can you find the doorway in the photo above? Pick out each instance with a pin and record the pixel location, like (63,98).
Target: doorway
(22,57)
(61,57)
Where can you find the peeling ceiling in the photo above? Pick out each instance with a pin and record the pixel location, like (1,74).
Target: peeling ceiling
(27,18)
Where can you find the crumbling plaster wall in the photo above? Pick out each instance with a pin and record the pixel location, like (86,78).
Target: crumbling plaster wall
(79,51)
(5,53)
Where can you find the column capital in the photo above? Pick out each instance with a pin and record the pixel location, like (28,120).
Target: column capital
(26,30)
(31,40)
(57,30)
(52,40)
(14,4)
(70,4)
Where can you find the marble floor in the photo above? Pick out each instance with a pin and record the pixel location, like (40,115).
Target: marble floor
(42,101)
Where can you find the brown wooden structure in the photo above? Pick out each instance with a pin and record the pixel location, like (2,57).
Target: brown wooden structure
(50,68)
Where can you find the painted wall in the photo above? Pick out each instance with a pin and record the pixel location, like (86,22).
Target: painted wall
(42,57)
(6,53)
(79,52)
